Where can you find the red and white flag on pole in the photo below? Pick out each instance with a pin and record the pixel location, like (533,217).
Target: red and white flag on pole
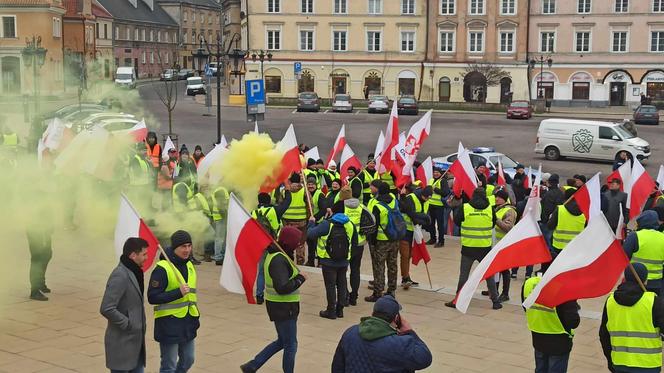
(424,173)
(620,229)
(624,174)
(533,204)
(212,159)
(420,251)
(588,198)
(338,147)
(168,145)
(523,245)
(501,181)
(348,159)
(384,163)
(290,161)
(399,163)
(465,179)
(137,133)
(527,180)
(379,146)
(312,154)
(418,132)
(129,225)
(660,177)
(589,267)
(246,241)
(640,187)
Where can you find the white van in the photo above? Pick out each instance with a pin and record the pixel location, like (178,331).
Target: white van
(558,138)
(125,77)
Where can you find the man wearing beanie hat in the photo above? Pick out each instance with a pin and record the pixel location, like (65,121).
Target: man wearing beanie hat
(311,170)
(646,245)
(354,181)
(438,209)
(505,220)
(297,213)
(283,280)
(198,155)
(383,342)
(366,177)
(415,210)
(318,203)
(632,321)
(614,200)
(566,222)
(172,291)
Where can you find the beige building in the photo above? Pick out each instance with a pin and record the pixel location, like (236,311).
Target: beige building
(344,46)
(603,52)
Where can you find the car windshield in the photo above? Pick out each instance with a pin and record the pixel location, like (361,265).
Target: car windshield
(308,96)
(125,76)
(519,104)
(623,132)
(342,98)
(168,71)
(195,81)
(408,100)
(648,109)
(505,160)
(379,98)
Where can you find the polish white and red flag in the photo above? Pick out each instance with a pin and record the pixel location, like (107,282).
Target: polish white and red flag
(137,133)
(399,163)
(348,159)
(55,138)
(660,177)
(624,174)
(527,180)
(533,203)
(420,251)
(465,179)
(312,154)
(379,146)
(589,267)
(640,187)
(130,224)
(168,145)
(338,147)
(523,245)
(246,241)
(417,133)
(290,161)
(501,181)
(588,198)
(211,162)
(384,160)
(424,173)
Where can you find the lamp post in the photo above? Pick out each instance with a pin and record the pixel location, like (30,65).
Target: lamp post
(200,56)
(541,60)
(34,55)
(237,55)
(261,55)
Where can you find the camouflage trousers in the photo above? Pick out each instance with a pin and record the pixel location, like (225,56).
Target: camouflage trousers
(385,253)
(301,225)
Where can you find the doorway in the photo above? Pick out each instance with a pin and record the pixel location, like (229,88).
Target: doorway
(617,93)
(444,89)
(339,84)
(505,90)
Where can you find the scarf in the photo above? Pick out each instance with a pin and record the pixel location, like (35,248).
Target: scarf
(136,270)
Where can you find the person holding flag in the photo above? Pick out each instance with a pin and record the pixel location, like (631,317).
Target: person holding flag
(354,181)
(415,210)
(646,245)
(366,177)
(505,221)
(566,222)
(438,209)
(297,213)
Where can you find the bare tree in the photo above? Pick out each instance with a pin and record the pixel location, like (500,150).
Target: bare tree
(168,91)
(492,73)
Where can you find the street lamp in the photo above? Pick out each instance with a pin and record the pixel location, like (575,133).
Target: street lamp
(200,58)
(541,60)
(261,55)
(34,55)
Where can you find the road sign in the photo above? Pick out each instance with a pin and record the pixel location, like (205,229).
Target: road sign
(255,92)
(297,70)
(208,70)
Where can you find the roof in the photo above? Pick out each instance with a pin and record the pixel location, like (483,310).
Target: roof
(98,11)
(30,3)
(566,121)
(123,10)
(205,3)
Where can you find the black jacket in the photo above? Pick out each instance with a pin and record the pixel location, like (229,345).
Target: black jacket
(627,294)
(571,207)
(280,271)
(407,207)
(356,187)
(615,199)
(517,186)
(550,201)
(481,203)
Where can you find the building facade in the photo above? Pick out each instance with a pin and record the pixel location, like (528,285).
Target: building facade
(78,35)
(21,20)
(603,52)
(144,36)
(104,64)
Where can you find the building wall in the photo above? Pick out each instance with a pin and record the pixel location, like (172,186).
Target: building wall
(104,54)
(148,48)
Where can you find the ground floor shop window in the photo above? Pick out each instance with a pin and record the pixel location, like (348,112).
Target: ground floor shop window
(655,91)
(580,91)
(273,84)
(545,90)
(305,83)
(406,86)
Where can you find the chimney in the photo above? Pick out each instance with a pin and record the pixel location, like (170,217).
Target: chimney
(150,4)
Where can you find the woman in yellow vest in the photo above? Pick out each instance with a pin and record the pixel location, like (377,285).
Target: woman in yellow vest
(505,220)
(172,291)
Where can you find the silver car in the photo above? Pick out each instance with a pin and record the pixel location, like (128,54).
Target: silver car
(379,104)
(342,103)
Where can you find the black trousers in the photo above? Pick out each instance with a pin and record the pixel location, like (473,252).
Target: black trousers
(335,287)
(39,243)
(311,250)
(355,263)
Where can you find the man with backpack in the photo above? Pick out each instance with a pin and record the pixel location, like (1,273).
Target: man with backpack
(391,228)
(415,210)
(335,237)
(319,206)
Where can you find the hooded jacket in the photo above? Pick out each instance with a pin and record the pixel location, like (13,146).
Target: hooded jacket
(407,207)
(627,294)
(315,231)
(374,346)
(367,220)
(281,272)
(571,207)
(478,201)
(614,199)
(647,220)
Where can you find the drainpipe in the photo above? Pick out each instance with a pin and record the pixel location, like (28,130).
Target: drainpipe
(426,50)
(530,95)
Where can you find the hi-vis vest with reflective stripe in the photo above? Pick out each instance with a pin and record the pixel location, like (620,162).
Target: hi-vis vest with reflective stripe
(271,294)
(144,177)
(181,306)
(477,226)
(651,252)
(199,202)
(309,173)
(315,200)
(541,319)
(635,341)
(381,236)
(366,184)
(500,214)
(386,177)
(436,199)
(298,207)
(154,153)
(419,208)
(322,240)
(489,194)
(177,205)
(271,215)
(355,216)
(216,211)
(569,226)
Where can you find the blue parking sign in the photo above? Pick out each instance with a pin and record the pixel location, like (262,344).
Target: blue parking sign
(255,92)
(297,68)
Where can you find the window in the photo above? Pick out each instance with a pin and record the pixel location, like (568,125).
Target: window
(407,6)
(8,27)
(582,41)
(143,34)
(373,41)
(657,41)
(210,19)
(158,36)
(151,57)
(151,35)
(375,6)
(408,41)
(307,6)
(193,16)
(184,38)
(507,42)
(273,39)
(340,6)
(339,41)
(57,28)
(136,34)
(306,40)
(274,6)
(581,91)
(548,6)
(584,6)
(446,41)
(447,6)
(619,41)
(547,41)
(606,133)
(143,57)
(105,30)
(658,6)
(476,6)
(273,84)
(166,57)
(508,7)
(202,18)
(184,16)
(476,42)
(622,6)
(117,32)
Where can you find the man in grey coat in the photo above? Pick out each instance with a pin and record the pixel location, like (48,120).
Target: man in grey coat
(614,199)
(122,305)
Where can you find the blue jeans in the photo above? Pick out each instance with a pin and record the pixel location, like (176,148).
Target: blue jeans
(550,363)
(219,239)
(260,278)
(176,358)
(138,369)
(286,340)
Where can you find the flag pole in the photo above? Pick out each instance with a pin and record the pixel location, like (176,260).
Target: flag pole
(428,275)
(636,276)
(306,191)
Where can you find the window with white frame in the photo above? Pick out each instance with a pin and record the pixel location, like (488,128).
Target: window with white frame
(408,41)
(582,41)
(273,41)
(619,41)
(548,6)
(446,41)
(374,41)
(307,6)
(306,40)
(166,57)
(476,7)
(184,38)
(184,16)
(57,27)
(340,40)
(8,27)
(143,33)
(117,32)
(658,6)
(273,6)
(375,6)
(476,41)
(151,35)
(507,42)
(508,7)
(136,31)
(143,57)
(193,16)
(166,37)
(621,6)
(547,41)
(657,41)
(151,57)
(340,6)
(583,6)
(407,6)
(447,6)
